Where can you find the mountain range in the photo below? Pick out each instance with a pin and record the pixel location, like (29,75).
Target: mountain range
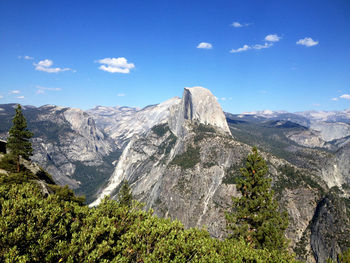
(182,157)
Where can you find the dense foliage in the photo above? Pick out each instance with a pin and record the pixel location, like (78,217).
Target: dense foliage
(187,159)
(38,229)
(18,141)
(255,214)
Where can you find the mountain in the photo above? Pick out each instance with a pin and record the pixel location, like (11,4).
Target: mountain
(121,123)
(182,157)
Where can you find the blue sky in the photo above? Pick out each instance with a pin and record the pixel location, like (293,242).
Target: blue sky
(253,55)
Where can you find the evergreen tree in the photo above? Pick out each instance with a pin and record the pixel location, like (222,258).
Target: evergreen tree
(18,141)
(125,195)
(255,215)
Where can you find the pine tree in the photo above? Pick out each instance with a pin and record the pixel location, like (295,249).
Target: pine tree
(125,195)
(255,215)
(18,141)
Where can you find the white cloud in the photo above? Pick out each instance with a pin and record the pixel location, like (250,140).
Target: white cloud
(307,41)
(266,45)
(1,97)
(345,96)
(15,92)
(246,47)
(238,24)
(272,38)
(25,57)
(45,66)
(223,98)
(241,49)
(121,95)
(335,99)
(41,90)
(20,97)
(116,65)
(205,45)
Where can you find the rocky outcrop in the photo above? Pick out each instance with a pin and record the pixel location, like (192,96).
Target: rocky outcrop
(329,229)
(197,104)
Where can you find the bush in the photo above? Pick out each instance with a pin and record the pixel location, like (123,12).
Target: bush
(38,229)
(188,159)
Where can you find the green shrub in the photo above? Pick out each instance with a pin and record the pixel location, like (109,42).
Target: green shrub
(188,159)
(160,129)
(38,229)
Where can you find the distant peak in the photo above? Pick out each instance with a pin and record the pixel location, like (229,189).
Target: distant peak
(199,104)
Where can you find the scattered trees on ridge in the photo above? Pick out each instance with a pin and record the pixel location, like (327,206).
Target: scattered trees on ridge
(18,141)
(255,215)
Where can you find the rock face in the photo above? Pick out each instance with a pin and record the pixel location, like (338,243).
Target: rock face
(329,221)
(197,104)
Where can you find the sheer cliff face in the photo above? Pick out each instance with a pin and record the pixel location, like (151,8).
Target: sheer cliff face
(197,104)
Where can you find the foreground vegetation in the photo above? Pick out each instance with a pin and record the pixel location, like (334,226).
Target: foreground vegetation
(35,228)
(58,227)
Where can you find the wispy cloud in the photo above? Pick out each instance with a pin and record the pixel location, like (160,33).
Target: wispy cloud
(15,92)
(241,49)
(238,24)
(45,66)
(345,96)
(20,97)
(224,98)
(307,41)
(115,65)
(272,38)
(25,57)
(41,89)
(121,95)
(247,47)
(205,45)
(266,45)
(1,97)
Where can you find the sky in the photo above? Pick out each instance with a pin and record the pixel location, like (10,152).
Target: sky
(291,55)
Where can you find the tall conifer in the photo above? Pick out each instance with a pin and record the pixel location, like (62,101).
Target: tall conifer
(125,195)
(255,215)
(18,141)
